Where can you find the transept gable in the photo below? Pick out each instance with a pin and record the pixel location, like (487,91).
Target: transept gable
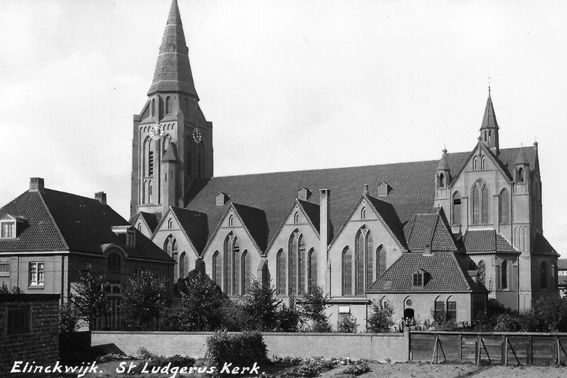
(250,220)
(481,159)
(178,221)
(369,209)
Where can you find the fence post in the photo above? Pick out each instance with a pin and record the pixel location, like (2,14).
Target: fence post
(460,341)
(505,361)
(478,350)
(530,351)
(558,347)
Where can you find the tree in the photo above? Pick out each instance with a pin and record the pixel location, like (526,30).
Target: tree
(200,308)
(90,298)
(5,290)
(313,309)
(288,318)
(145,296)
(261,306)
(381,318)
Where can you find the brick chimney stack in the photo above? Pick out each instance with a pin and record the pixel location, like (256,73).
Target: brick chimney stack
(37,184)
(100,197)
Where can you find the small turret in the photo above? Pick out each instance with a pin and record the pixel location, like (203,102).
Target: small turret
(443,172)
(521,168)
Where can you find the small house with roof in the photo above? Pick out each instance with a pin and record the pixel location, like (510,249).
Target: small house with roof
(49,236)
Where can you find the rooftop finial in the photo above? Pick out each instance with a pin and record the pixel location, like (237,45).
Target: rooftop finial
(489,87)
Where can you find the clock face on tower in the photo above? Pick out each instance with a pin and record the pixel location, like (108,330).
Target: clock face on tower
(197,136)
(156,132)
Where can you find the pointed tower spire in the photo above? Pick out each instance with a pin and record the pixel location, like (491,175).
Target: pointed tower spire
(173,70)
(489,128)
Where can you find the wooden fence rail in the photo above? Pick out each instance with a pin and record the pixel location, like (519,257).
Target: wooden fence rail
(502,348)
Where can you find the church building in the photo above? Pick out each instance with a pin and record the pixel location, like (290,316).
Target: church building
(443,234)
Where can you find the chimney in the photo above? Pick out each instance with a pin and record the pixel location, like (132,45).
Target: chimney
(324,233)
(427,251)
(222,199)
(100,197)
(36,184)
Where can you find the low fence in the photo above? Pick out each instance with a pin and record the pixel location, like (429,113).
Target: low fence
(378,347)
(494,348)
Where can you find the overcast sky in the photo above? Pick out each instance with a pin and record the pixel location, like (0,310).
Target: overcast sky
(288,85)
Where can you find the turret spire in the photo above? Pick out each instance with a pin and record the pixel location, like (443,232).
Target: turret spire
(489,127)
(173,70)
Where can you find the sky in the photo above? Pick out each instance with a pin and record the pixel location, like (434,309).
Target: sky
(288,85)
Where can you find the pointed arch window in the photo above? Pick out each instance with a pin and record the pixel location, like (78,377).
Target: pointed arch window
(504,206)
(167,105)
(153,107)
(520,175)
(475,163)
(182,264)
(363,213)
(312,268)
(480,203)
(296,218)
(543,275)
(441,180)
(369,260)
(481,272)
(281,265)
(244,273)
(216,269)
(380,261)
(170,224)
(483,163)
(170,246)
(231,263)
(296,267)
(231,220)
(363,260)
(504,274)
(347,271)
(456,213)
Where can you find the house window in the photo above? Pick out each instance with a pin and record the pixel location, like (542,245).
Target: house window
(347,271)
(114,262)
(4,269)
(451,311)
(7,230)
(19,320)
(456,208)
(504,210)
(170,246)
(280,272)
(36,274)
(504,274)
(417,278)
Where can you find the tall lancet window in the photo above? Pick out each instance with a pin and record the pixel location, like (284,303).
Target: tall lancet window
(504,202)
(281,272)
(347,271)
(456,214)
(296,268)
(480,203)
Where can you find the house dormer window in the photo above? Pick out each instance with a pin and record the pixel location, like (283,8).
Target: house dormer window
(418,278)
(130,239)
(8,229)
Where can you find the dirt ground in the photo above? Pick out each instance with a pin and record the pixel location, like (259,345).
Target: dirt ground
(393,370)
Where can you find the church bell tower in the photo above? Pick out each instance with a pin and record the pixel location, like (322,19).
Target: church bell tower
(172,145)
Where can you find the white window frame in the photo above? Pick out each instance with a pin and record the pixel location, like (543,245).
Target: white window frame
(13,229)
(36,276)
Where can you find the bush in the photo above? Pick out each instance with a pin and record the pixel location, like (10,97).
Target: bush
(160,361)
(381,318)
(288,319)
(243,349)
(314,304)
(348,325)
(68,318)
(311,368)
(358,368)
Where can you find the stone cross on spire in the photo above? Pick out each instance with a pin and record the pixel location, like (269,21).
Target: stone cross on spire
(173,70)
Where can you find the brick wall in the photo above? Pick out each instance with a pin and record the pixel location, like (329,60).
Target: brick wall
(40,342)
